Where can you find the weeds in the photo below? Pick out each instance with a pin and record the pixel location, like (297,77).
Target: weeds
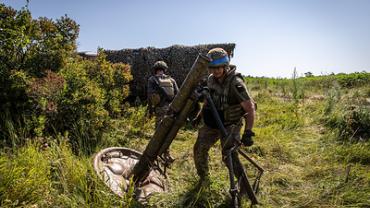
(305,164)
(332,98)
(349,117)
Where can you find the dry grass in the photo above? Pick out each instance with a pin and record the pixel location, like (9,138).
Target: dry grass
(305,165)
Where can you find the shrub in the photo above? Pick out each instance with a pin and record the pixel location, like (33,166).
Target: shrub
(46,89)
(349,116)
(352,122)
(113,79)
(81,108)
(29,49)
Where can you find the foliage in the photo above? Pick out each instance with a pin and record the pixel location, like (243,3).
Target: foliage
(47,90)
(51,176)
(114,79)
(352,122)
(80,100)
(349,116)
(351,80)
(313,83)
(299,157)
(332,97)
(24,177)
(35,45)
(64,105)
(29,49)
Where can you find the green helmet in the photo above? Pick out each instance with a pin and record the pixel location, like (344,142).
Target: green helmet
(160,65)
(219,57)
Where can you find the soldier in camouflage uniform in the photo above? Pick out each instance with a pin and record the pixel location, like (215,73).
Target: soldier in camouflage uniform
(233,102)
(162,89)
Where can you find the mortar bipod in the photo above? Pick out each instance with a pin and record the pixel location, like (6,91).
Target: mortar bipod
(259,169)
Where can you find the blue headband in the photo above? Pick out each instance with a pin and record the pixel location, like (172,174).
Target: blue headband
(222,60)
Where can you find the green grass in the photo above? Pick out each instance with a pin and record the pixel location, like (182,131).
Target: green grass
(306,162)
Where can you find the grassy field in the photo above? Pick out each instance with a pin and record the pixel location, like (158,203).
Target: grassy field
(312,139)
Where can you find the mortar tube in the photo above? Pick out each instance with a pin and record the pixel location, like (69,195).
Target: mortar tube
(179,121)
(142,168)
(197,71)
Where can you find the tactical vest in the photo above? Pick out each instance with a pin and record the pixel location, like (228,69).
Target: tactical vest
(227,105)
(167,86)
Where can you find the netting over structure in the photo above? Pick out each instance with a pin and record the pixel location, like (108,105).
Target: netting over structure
(178,58)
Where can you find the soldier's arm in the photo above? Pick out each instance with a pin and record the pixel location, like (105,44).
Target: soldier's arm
(176,88)
(248,107)
(151,86)
(240,90)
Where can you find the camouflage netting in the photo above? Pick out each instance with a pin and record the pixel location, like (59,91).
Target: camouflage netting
(179,59)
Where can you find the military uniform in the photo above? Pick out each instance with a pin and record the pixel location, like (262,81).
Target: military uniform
(161,90)
(227,97)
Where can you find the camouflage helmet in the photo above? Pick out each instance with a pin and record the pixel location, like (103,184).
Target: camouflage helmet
(159,65)
(219,57)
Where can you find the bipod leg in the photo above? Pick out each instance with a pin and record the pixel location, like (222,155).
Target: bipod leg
(259,168)
(233,188)
(256,183)
(248,188)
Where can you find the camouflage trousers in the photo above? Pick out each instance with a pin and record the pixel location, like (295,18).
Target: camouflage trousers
(160,112)
(207,137)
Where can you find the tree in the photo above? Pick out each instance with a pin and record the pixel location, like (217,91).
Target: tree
(29,48)
(308,74)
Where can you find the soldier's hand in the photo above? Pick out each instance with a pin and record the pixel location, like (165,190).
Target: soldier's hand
(247,137)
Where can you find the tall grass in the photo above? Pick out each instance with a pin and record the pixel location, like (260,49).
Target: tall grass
(332,97)
(13,131)
(24,177)
(305,165)
(51,177)
(348,115)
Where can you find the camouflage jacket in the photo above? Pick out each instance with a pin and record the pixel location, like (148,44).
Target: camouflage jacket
(227,96)
(163,85)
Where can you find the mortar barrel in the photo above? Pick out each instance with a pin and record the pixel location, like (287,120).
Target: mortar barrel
(196,73)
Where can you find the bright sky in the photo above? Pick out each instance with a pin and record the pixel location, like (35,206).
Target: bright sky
(272,36)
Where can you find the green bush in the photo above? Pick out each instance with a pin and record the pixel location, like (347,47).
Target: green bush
(114,79)
(29,49)
(348,115)
(352,122)
(355,153)
(81,108)
(80,99)
(351,80)
(46,89)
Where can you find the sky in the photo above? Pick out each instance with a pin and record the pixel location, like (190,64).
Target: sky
(272,37)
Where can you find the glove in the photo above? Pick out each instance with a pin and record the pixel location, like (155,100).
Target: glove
(247,137)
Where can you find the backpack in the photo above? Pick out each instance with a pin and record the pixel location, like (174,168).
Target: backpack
(166,87)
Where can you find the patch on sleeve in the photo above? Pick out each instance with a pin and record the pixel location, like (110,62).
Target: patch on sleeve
(241,92)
